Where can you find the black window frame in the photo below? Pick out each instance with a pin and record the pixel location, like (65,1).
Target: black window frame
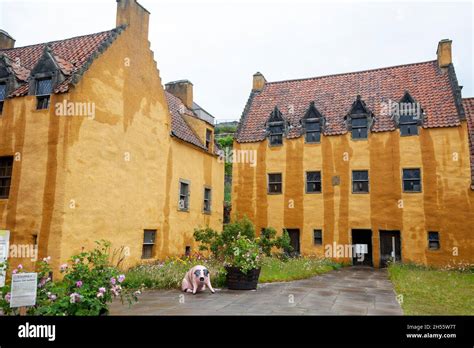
(184,196)
(3,86)
(317,236)
(276,183)
(360,181)
(315,133)
(42,99)
(411,180)
(6,173)
(207,201)
(358,128)
(433,237)
(208,139)
(407,123)
(316,182)
(148,246)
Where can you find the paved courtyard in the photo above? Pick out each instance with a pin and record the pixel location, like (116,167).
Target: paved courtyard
(348,291)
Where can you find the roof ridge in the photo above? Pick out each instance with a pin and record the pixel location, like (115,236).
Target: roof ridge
(349,73)
(51,42)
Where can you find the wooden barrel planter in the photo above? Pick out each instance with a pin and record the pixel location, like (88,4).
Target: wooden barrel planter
(237,280)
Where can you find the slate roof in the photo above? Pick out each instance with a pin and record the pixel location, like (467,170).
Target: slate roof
(468,104)
(73,56)
(334,94)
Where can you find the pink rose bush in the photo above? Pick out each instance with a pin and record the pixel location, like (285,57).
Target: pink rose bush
(89,285)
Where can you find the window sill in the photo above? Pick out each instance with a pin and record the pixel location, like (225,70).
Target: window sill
(183,210)
(360,193)
(313,193)
(412,191)
(207,212)
(274,193)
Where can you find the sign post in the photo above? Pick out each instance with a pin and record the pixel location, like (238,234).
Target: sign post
(23,290)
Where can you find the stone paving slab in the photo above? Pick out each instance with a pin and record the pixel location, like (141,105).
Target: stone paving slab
(347,291)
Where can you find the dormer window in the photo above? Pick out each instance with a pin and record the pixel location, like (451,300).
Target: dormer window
(410,115)
(276,128)
(3,95)
(208,139)
(359,120)
(44,88)
(359,128)
(312,123)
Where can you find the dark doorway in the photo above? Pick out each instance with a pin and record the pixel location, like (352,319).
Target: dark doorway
(362,247)
(294,241)
(390,240)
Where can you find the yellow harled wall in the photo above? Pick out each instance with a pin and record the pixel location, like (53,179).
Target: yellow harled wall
(445,205)
(79,180)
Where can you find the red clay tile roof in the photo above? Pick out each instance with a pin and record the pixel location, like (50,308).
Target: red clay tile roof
(468,104)
(179,127)
(334,94)
(73,56)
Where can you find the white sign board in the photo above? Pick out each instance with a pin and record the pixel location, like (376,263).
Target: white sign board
(361,249)
(23,291)
(4,247)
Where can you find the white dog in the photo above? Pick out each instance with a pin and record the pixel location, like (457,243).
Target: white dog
(196,280)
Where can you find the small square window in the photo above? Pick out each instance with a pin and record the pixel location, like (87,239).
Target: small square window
(318,237)
(44,88)
(149,237)
(411,180)
(275,183)
(276,139)
(313,182)
(183,204)
(360,181)
(208,138)
(433,240)
(359,128)
(313,132)
(6,168)
(207,200)
(3,95)
(408,125)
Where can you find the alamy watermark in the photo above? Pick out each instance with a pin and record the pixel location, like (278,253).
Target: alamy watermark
(75,109)
(228,155)
(397,109)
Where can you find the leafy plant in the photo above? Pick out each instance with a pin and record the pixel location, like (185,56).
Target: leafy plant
(246,254)
(268,241)
(237,244)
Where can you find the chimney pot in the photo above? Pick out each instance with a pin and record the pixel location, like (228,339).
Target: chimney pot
(6,41)
(444,53)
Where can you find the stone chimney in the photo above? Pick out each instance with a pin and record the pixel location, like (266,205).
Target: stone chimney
(183,89)
(134,16)
(6,41)
(258,82)
(444,53)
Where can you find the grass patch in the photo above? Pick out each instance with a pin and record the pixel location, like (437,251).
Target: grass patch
(169,274)
(429,291)
(278,270)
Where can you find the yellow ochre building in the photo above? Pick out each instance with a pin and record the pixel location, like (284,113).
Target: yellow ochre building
(93,147)
(341,161)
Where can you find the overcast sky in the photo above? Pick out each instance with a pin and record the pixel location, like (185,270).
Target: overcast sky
(219,45)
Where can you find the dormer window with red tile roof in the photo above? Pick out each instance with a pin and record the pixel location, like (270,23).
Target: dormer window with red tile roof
(44,88)
(359,119)
(276,127)
(410,115)
(313,123)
